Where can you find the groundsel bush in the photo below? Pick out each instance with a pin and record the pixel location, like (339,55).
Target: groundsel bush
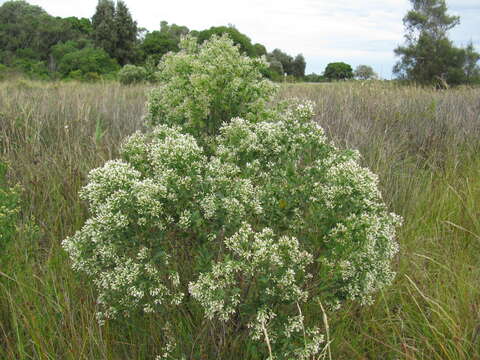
(273,219)
(204,85)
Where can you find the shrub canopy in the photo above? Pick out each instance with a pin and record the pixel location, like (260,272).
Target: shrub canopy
(267,219)
(204,85)
(276,210)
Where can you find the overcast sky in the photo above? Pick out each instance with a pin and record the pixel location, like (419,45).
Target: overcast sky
(353,31)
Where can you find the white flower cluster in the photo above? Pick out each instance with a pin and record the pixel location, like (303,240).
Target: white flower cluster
(204,85)
(272,197)
(252,223)
(273,266)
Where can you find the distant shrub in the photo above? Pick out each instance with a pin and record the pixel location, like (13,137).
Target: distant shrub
(204,85)
(131,74)
(78,64)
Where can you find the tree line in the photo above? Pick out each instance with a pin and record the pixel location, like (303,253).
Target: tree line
(43,46)
(40,45)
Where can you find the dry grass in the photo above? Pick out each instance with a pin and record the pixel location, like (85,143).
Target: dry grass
(423,144)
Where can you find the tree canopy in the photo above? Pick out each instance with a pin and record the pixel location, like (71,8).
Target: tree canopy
(338,71)
(35,43)
(103,21)
(126,34)
(159,42)
(428,55)
(238,38)
(364,72)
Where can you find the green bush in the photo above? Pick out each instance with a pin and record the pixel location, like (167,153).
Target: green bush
(266,221)
(131,74)
(204,85)
(78,64)
(274,211)
(32,68)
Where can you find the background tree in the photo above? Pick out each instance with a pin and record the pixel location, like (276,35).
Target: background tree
(27,34)
(159,42)
(260,50)
(104,27)
(240,39)
(285,59)
(173,31)
(276,65)
(156,44)
(471,68)
(338,71)
(126,34)
(428,56)
(87,63)
(365,72)
(79,28)
(298,66)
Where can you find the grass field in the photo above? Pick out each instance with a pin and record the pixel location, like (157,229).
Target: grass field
(423,144)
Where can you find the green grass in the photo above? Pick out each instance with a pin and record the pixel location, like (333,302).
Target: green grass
(423,144)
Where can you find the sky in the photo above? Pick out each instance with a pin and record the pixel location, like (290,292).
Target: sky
(324,31)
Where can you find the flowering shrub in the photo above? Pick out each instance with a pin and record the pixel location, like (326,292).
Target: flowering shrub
(274,218)
(244,210)
(202,86)
(131,74)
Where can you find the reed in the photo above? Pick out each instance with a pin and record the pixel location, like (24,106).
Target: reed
(423,144)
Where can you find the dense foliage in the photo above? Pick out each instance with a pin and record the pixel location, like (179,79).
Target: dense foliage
(338,71)
(204,85)
(27,34)
(429,56)
(30,40)
(86,63)
(253,225)
(158,43)
(103,23)
(126,34)
(250,219)
(238,38)
(283,64)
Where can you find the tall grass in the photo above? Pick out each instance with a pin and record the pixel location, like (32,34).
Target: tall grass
(423,144)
